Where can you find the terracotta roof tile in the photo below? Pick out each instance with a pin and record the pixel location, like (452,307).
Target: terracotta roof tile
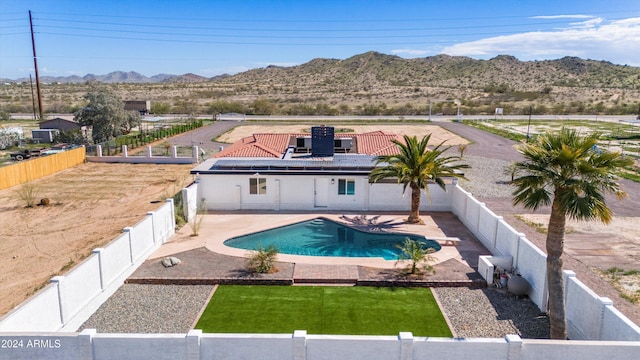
(274,145)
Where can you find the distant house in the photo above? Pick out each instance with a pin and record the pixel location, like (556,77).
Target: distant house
(50,128)
(60,124)
(44,135)
(143,106)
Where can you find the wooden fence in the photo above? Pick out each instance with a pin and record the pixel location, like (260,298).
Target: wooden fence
(32,169)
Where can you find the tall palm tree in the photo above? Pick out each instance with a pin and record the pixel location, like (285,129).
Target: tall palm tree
(568,172)
(416,166)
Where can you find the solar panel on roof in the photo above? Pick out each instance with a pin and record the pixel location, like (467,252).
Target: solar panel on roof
(339,161)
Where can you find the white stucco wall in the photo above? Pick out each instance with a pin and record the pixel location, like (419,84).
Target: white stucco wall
(352,347)
(246,346)
(116,258)
(70,299)
(43,310)
(147,346)
(298,192)
(531,262)
(89,345)
(439,348)
(80,286)
(506,242)
(190,201)
(141,237)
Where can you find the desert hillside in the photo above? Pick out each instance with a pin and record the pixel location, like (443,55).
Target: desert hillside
(368,84)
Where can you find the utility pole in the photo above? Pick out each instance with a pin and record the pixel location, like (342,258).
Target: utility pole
(33,98)
(529,125)
(35,64)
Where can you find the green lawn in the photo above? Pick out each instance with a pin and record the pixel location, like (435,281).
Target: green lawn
(323,310)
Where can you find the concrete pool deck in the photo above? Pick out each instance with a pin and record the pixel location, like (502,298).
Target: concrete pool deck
(206,259)
(216,228)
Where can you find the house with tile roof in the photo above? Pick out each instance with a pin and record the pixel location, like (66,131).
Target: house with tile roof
(322,171)
(276,145)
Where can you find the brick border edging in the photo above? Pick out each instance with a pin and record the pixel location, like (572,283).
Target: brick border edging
(213,281)
(474,284)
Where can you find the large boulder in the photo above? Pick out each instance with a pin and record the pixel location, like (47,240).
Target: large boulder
(170,261)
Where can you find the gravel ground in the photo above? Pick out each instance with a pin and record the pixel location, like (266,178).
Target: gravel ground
(472,313)
(486,178)
(491,313)
(150,309)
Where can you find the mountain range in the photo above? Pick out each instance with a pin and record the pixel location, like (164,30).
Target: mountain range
(439,70)
(117,77)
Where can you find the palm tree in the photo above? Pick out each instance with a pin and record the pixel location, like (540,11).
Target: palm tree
(416,166)
(568,172)
(413,251)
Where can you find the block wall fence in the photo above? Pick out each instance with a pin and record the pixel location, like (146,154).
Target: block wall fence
(69,300)
(147,158)
(43,327)
(89,345)
(589,316)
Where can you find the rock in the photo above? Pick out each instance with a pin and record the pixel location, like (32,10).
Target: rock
(170,261)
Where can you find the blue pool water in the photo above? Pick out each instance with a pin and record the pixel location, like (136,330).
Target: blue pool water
(323,237)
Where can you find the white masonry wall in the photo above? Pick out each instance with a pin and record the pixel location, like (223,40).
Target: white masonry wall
(69,300)
(297,192)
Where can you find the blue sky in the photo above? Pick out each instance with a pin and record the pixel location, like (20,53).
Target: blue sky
(215,37)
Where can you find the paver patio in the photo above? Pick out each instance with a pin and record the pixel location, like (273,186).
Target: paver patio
(206,260)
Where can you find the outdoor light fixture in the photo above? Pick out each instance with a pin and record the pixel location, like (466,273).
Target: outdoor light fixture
(333,181)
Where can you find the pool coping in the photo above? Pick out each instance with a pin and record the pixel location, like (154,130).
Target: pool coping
(216,228)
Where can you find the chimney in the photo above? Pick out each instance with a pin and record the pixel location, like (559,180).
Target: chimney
(322,141)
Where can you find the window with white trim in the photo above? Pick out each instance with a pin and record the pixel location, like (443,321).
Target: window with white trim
(257,186)
(346,187)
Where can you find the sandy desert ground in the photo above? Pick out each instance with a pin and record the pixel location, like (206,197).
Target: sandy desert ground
(90,204)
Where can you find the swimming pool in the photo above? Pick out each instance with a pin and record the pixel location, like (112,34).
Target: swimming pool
(323,237)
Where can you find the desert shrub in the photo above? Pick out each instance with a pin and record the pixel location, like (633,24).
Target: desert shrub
(262,261)
(28,193)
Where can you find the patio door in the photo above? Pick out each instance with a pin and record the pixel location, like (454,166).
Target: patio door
(321,192)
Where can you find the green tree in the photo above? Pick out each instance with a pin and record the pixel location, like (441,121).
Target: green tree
(568,172)
(185,106)
(71,137)
(416,166)
(105,114)
(223,107)
(263,107)
(160,108)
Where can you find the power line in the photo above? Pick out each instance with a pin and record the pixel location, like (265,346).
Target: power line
(259,36)
(236,42)
(324,30)
(350,20)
